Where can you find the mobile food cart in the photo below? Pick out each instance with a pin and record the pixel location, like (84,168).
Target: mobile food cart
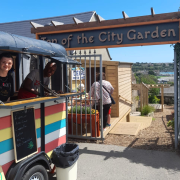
(31,128)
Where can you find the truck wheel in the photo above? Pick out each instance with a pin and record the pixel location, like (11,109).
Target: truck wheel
(37,172)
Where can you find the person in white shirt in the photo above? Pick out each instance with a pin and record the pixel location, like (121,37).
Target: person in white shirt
(95,94)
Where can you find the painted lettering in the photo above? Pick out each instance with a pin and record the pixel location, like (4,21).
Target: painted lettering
(102,40)
(109,36)
(146,33)
(54,41)
(155,34)
(163,33)
(84,38)
(69,38)
(91,40)
(113,35)
(169,32)
(78,38)
(134,35)
(43,38)
(140,36)
(64,41)
(120,38)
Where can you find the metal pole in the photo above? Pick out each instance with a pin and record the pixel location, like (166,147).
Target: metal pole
(95,91)
(90,90)
(175,100)
(80,95)
(85,91)
(67,132)
(42,104)
(20,69)
(101,100)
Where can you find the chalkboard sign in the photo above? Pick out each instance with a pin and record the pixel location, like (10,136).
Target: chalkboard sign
(24,133)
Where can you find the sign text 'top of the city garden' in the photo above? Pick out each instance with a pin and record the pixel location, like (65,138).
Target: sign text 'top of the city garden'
(127,36)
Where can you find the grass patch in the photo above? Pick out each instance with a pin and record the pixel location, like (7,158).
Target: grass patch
(146,110)
(153,119)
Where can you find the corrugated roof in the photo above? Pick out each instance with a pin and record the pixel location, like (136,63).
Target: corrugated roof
(23,28)
(168,90)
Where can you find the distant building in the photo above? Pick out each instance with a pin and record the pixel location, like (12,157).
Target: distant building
(162,81)
(168,95)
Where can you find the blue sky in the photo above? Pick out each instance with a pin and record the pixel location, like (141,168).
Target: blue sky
(17,10)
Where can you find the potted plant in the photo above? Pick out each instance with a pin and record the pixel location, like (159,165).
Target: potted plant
(88,115)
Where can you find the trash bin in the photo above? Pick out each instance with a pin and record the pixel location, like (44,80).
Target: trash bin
(65,157)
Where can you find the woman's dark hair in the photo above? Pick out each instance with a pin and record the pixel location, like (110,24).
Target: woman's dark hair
(98,76)
(7,55)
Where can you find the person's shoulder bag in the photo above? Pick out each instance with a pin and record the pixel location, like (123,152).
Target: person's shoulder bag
(112,100)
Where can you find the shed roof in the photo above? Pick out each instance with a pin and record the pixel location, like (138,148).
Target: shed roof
(169,90)
(23,28)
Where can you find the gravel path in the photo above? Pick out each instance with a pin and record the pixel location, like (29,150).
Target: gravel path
(156,137)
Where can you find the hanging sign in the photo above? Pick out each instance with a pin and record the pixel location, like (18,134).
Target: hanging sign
(77,74)
(24,133)
(2,177)
(161,33)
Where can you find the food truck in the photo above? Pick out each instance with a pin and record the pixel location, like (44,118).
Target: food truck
(31,128)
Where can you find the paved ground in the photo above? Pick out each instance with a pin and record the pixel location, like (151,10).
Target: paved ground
(111,162)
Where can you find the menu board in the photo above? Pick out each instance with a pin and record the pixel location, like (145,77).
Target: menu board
(24,133)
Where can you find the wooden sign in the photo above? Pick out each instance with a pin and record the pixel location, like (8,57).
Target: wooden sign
(24,133)
(161,33)
(2,177)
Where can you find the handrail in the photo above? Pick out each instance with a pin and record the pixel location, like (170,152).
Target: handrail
(126,99)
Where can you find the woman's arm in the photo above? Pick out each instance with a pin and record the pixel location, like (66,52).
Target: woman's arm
(8,99)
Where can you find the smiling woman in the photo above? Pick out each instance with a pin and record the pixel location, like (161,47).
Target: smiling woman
(6,81)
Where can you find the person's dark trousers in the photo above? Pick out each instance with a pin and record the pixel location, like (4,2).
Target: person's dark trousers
(106,108)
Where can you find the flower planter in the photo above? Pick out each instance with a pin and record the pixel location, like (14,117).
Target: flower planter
(93,121)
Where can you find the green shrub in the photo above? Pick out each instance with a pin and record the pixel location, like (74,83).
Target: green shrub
(146,110)
(153,99)
(83,109)
(171,123)
(137,98)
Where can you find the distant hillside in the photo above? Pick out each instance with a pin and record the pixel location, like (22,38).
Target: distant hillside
(157,67)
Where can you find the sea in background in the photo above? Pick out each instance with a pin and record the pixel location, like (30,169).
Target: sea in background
(168,73)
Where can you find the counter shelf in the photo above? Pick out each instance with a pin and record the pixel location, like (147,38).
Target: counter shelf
(32,101)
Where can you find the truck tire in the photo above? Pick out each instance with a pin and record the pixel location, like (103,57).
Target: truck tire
(37,172)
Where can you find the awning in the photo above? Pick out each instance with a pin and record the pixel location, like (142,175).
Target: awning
(22,44)
(66,60)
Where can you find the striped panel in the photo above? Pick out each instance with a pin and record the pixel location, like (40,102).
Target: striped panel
(7,112)
(7,133)
(55,132)
(51,110)
(53,144)
(7,145)
(51,118)
(6,120)
(9,155)
(48,147)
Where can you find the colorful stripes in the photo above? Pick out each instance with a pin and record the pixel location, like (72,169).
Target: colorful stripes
(5,121)
(9,155)
(50,146)
(7,145)
(55,133)
(7,133)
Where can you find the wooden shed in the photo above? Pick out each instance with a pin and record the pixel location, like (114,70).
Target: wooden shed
(119,75)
